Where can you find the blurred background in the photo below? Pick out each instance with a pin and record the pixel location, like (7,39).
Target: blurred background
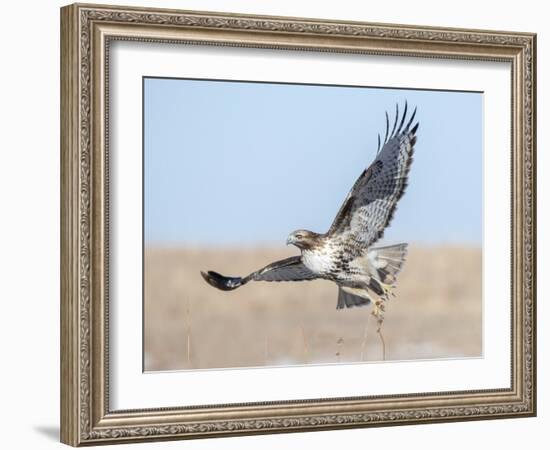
(231,168)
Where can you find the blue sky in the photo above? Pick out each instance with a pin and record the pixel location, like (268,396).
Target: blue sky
(237,163)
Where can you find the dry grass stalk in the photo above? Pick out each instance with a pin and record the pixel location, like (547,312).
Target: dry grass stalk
(266,350)
(364,341)
(340,343)
(379,331)
(304,343)
(188,319)
(378,312)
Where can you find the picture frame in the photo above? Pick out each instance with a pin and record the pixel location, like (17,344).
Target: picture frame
(87,33)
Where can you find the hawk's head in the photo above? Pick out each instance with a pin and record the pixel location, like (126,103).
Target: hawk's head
(303,239)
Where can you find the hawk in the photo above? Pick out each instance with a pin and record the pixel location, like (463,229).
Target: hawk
(346,254)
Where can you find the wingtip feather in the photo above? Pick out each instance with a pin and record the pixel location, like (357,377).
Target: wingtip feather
(411,120)
(387,127)
(218,281)
(395,121)
(402,119)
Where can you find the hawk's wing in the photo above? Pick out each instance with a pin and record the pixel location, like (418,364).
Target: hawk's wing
(289,269)
(369,206)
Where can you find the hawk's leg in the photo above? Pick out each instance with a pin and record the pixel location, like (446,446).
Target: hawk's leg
(383,290)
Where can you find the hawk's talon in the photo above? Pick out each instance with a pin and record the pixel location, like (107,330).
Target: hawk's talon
(387,290)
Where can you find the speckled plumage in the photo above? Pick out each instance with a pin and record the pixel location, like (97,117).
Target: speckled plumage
(345,254)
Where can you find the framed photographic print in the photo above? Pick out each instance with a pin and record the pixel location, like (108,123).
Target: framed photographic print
(276,224)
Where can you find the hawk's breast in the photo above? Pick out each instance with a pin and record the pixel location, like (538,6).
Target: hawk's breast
(322,260)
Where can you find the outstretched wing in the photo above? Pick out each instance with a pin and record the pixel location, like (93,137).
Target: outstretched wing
(289,269)
(369,206)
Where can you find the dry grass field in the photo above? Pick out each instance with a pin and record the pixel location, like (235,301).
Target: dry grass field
(437,312)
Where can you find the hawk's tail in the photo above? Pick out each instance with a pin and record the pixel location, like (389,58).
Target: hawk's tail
(221,282)
(383,265)
(386,262)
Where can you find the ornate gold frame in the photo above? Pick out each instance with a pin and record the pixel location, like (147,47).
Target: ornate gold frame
(86,31)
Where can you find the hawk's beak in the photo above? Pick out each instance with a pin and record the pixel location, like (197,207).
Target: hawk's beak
(289,240)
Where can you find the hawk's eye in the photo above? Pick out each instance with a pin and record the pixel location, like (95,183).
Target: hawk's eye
(299,236)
